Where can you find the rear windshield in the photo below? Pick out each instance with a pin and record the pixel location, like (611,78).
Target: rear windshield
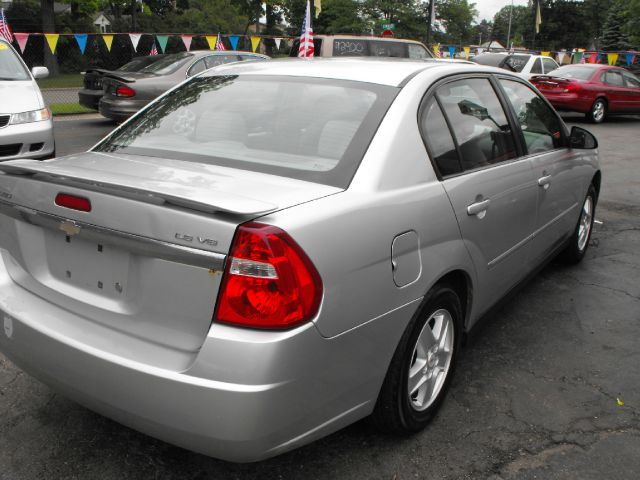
(11,68)
(572,71)
(515,63)
(139,63)
(311,129)
(168,64)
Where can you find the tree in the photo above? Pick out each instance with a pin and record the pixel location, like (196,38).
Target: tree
(341,16)
(614,36)
(49,26)
(456,17)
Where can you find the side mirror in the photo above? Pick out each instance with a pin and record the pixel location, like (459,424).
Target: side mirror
(582,139)
(40,72)
(467,107)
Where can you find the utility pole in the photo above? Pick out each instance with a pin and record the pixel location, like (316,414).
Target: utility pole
(431,13)
(509,31)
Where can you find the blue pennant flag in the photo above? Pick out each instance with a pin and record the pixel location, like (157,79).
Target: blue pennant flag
(234,41)
(452,51)
(630,58)
(81,38)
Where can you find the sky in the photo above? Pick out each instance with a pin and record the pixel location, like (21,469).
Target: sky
(488,8)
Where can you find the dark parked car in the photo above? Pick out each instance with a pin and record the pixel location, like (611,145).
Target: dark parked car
(91,94)
(125,94)
(595,90)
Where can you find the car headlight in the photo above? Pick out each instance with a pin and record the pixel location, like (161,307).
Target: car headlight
(33,116)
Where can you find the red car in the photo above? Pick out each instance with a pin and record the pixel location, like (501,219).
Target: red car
(595,90)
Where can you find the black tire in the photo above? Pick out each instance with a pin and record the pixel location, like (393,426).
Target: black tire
(576,249)
(395,411)
(598,111)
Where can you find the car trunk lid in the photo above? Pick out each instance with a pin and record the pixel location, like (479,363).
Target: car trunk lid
(550,84)
(147,259)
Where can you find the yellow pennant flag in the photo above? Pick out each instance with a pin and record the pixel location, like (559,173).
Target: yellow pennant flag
(108,40)
(52,40)
(255,41)
(436,50)
(545,54)
(318,5)
(212,40)
(467,52)
(612,58)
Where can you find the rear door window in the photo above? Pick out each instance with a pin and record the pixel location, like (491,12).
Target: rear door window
(438,139)
(540,125)
(537,66)
(479,123)
(612,77)
(516,63)
(215,60)
(196,68)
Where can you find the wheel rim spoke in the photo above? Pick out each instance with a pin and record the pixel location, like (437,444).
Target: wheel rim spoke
(431,359)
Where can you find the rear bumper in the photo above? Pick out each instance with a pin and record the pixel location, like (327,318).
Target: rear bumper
(247,396)
(89,98)
(119,108)
(27,140)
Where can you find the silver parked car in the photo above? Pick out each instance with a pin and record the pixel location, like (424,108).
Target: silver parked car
(26,129)
(124,93)
(274,250)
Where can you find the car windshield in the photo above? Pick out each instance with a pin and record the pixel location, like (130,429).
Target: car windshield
(306,128)
(168,64)
(11,68)
(571,71)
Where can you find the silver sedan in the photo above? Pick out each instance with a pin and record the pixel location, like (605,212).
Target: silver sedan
(274,250)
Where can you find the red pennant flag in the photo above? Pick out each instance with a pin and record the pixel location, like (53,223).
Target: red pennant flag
(21,38)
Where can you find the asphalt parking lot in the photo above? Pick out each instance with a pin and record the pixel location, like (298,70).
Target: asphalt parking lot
(547,388)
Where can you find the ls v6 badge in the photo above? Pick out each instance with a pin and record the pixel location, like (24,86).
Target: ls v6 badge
(191,238)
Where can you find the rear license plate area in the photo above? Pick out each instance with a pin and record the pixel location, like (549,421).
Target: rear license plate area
(89,265)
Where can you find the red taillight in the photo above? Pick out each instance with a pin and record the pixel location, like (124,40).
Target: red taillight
(124,91)
(269,282)
(73,201)
(572,87)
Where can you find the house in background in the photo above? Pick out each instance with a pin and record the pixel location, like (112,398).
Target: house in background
(102,23)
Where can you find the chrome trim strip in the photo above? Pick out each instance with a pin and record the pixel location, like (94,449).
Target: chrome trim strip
(137,244)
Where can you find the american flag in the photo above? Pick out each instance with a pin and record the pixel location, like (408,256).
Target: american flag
(438,51)
(306,48)
(5,31)
(220,44)
(154,49)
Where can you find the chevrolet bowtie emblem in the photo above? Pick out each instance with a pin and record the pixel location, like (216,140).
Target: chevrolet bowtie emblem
(69,228)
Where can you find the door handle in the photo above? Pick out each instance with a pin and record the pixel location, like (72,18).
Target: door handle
(544,181)
(479,208)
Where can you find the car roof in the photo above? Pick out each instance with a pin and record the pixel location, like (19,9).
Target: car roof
(364,37)
(383,71)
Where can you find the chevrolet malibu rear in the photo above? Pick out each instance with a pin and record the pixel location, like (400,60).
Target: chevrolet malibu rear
(260,257)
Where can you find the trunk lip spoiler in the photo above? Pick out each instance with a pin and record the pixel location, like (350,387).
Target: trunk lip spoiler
(140,245)
(255,208)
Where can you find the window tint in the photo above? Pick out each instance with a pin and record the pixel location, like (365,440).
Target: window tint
(549,65)
(541,127)
(632,80)
(196,68)
(581,72)
(537,66)
(438,138)
(418,51)
(479,123)
(612,77)
(168,63)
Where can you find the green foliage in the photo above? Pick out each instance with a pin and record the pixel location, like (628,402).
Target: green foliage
(457,18)
(615,36)
(341,16)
